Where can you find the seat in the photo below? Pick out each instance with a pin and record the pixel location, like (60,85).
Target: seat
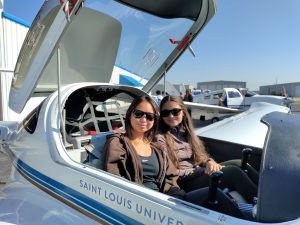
(95,150)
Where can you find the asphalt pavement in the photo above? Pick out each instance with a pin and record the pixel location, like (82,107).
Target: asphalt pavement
(295,108)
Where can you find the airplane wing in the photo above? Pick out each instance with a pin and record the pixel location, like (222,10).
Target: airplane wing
(211,108)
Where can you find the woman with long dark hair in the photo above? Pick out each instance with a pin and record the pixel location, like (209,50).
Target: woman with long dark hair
(188,154)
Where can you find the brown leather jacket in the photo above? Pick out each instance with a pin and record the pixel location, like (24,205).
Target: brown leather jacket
(187,168)
(122,160)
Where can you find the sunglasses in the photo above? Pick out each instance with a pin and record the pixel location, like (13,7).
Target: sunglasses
(139,114)
(167,112)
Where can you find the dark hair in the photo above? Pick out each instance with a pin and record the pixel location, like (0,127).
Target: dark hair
(128,128)
(196,144)
(158,92)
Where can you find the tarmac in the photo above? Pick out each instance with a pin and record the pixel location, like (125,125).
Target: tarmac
(295,108)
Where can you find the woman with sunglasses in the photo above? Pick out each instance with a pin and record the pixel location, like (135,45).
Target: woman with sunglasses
(188,154)
(132,154)
(134,157)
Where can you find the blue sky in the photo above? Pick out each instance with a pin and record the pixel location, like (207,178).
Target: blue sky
(255,41)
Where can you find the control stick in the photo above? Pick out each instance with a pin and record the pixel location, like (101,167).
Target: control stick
(214,180)
(245,158)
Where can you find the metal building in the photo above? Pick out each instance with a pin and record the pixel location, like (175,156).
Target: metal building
(291,89)
(217,85)
(12,35)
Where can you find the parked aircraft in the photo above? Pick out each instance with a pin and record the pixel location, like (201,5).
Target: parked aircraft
(210,113)
(208,110)
(67,60)
(239,98)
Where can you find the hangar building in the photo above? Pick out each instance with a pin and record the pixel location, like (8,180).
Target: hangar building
(291,89)
(217,85)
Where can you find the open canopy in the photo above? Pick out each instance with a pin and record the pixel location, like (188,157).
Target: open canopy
(94,41)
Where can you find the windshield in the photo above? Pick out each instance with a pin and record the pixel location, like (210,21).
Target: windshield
(146,41)
(105,42)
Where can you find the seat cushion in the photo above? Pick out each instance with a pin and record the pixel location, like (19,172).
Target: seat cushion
(95,149)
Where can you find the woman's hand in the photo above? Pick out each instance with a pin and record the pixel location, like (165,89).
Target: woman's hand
(212,166)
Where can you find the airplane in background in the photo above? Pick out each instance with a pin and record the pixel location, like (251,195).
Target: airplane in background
(240,98)
(210,113)
(56,152)
(199,111)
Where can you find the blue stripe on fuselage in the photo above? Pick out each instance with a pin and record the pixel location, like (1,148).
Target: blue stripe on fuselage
(75,197)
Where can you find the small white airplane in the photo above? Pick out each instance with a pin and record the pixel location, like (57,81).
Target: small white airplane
(67,61)
(212,113)
(238,98)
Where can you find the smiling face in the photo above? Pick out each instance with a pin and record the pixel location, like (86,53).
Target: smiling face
(171,113)
(142,118)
